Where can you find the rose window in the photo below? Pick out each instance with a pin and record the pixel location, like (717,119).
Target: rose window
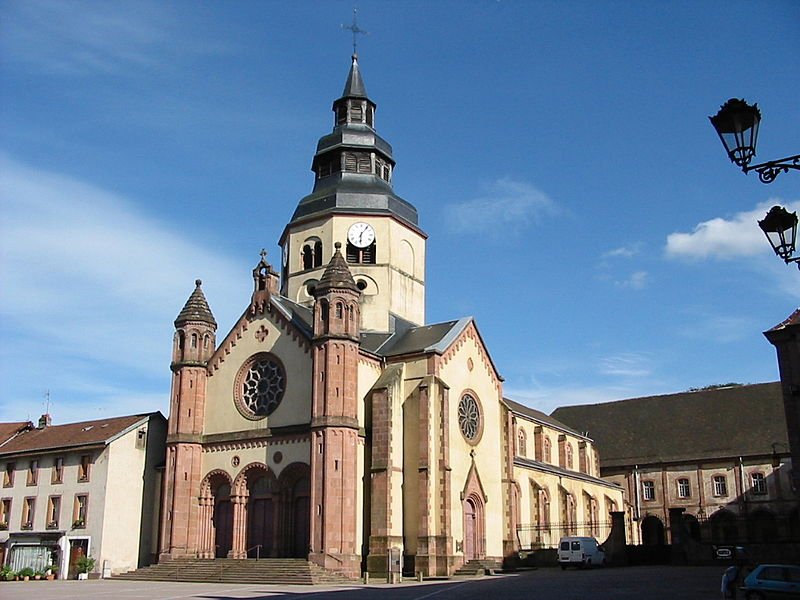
(469,418)
(260,386)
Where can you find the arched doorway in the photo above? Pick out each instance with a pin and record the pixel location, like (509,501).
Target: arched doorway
(723,527)
(652,531)
(223,520)
(261,488)
(473,528)
(295,490)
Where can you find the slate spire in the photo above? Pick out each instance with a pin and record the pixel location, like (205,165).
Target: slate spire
(354,86)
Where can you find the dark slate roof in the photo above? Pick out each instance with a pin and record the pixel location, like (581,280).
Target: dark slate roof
(707,424)
(196,308)
(85,433)
(337,274)
(424,338)
(538,415)
(792,319)
(529,463)
(300,316)
(354,86)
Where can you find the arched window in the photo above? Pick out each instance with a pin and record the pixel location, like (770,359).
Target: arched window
(317,253)
(339,310)
(194,340)
(568,452)
(308,257)
(521,449)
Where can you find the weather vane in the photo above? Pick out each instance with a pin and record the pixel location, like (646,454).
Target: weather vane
(355,29)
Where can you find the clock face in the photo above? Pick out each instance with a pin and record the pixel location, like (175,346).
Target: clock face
(361,235)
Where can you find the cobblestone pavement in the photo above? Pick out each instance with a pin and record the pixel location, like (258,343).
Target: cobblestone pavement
(650,583)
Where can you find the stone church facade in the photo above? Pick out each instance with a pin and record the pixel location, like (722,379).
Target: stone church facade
(331,422)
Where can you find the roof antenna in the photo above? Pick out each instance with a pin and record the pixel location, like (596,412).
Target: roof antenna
(47,402)
(355,29)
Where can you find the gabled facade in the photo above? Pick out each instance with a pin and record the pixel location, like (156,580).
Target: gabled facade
(331,422)
(82,489)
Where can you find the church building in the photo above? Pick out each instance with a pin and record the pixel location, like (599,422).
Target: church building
(332,423)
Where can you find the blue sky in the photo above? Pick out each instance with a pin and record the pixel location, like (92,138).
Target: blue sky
(577,201)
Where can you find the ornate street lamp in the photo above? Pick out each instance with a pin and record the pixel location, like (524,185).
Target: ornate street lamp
(780,227)
(736,124)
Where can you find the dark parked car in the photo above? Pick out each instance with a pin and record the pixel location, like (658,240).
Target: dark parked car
(772,581)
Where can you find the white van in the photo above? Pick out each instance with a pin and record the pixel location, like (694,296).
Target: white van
(581,552)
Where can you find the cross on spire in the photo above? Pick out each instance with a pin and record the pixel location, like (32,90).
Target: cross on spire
(355,29)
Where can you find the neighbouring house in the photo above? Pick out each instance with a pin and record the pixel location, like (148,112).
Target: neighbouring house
(721,454)
(81,489)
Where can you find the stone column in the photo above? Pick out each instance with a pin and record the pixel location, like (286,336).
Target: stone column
(239,548)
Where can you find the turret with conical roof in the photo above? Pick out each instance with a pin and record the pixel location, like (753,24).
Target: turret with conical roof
(336,308)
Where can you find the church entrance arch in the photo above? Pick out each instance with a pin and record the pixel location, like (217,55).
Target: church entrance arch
(295,486)
(261,514)
(216,516)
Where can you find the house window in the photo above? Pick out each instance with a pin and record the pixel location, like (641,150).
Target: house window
(28,507)
(8,475)
(79,511)
(141,438)
(521,445)
(568,452)
(648,490)
(5,512)
(684,490)
(548,451)
(84,467)
(720,485)
(759,483)
(58,470)
(53,511)
(33,472)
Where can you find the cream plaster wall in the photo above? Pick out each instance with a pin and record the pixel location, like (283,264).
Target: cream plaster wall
(123,504)
(396,280)
(295,407)
(488,452)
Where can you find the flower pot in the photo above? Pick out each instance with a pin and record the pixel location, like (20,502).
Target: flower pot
(83,576)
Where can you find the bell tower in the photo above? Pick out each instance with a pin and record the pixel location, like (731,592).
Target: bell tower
(194,343)
(334,420)
(353,203)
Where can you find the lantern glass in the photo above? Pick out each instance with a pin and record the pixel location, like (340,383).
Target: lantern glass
(737,123)
(780,227)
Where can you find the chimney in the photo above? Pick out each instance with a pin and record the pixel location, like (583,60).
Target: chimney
(45,421)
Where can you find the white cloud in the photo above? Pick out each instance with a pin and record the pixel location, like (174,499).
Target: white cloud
(507,203)
(90,288)
(625,365)
(623,252)
(724,238)
(636,281)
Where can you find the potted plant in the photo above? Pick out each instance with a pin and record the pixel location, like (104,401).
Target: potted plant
(7,573)
(51,572)
(26,573)
(85,564)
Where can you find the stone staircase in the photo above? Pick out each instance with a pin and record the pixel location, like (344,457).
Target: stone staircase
(279,571)
(478,566)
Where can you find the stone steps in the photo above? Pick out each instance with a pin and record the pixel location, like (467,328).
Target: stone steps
(278,571)
(476,567)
